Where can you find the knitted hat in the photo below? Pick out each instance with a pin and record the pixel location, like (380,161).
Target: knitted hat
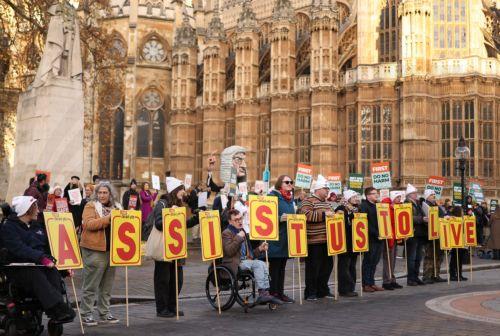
(410,189)
(320,183)
(348,194)
(22,204)
(428,193)
(394,194)
(173,183)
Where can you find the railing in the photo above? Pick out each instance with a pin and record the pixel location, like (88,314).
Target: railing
(302,83)
(229,96)
(469,65)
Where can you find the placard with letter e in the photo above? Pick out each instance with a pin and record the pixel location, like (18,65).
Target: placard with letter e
(403,216)
(360,233)
(470,232)
(125,247)
(335,234)
(456,232)
(174,233)
(211,235)
(63,240)
(263,217)
(433,225)
(297,236)
(384,221)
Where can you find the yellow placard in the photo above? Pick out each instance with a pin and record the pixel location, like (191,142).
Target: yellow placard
(125,247)
(470,232)
(174,233)
(63,240)
(360,233)
(433,224)
(456,232)
(384,221)
(403,217)
(444,234)
(297,236)
(335,234)
(263,217)
(211,235)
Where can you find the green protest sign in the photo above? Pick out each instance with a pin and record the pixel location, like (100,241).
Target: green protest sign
(457,194)
(355,182)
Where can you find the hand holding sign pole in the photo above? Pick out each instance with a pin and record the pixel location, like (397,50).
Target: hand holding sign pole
(336,242)
(360,240)
(297,243)
(63,243)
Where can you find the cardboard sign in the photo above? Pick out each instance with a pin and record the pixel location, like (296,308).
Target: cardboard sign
(260,187)
(304,176)
(188,179)
(263,217)
(335,234)
(493,205)
(50,202)
(403,217)
(61,204)
(457,194)
(233,182)
(456,232)
(476,191)
(381,175)
(156,182)
(297,236)
(444,234)
(360,233)
(47,173)
(211,235)
(355,182)
(436,183)
(132,202)
(335,183)
(470,232)
(384,221)
(203,199)
(75,195)
(125,247)
(174,233)
(433,224)
(243,188)
(63,240)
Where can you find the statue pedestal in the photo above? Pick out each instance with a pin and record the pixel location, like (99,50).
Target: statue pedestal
(49,134)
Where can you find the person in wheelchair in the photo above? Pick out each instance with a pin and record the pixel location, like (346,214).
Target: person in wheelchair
(21,236)
(238,253)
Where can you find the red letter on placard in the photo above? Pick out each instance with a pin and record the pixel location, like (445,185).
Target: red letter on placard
(124,238)
(432,223)
(268,228)
(385,216)
(360,243)
(65,248)
(175,248)
(456,231)
(404,223)
(212,237)
(296,228)
(336,236)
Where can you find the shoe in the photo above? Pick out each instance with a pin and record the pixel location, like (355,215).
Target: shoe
(89,321)
(61,313)
(349,294)
(110,319)
(377,288)
(264,297)
(412,283)
(420,282)
(329,296)
(368,289)
(286,299)
(165,313)
(462,278)
(439,279)
(312,298)
(387,287)
(428,281)
(395,285)
(453,278)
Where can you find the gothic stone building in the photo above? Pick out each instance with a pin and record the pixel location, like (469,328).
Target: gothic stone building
(335,84)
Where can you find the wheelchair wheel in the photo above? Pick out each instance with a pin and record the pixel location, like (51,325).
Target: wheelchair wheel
(226,282)
(246,294)
(54,329)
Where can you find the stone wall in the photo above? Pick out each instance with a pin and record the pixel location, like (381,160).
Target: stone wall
(8,103)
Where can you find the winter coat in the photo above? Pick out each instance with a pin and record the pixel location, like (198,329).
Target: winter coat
(94,235)
(279,248)
(37,192)
(231,246)
(348,218)
(494,241)
(77,209)
(147,200)
(371,211)
(420,227)
(126,199)
(315,210)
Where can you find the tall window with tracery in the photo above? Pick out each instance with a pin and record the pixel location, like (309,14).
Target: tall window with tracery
(352,139)
(486,138)
(376,135)
(229,132)
(150,125)
(388,32)
(198,167)
(264,140)
(450,28)
(303,137)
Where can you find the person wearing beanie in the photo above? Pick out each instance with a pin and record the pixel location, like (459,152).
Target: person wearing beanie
(389,251)
(26,242)
(415,245)
(164,272)
(131,199)
(58,194)
(347,261)
(319,264)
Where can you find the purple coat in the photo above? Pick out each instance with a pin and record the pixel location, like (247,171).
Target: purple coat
(147,200)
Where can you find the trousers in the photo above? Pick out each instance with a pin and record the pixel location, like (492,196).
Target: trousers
(260,272)
(164,285)
(277,268)
(319,266)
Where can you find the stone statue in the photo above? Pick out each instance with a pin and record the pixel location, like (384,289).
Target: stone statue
(62,55)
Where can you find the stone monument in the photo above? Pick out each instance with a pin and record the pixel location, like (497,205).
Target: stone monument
(49,130)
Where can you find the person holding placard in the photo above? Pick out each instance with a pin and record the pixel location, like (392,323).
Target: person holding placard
(457,255)
(131,199)
(147,200)
(75,208)
(389,253)
(347,261)
(319,264)
(372,257)
(278,250)
(416,244)
(60,202)
(26,242)
(98,275)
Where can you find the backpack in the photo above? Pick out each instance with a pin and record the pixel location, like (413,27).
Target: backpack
(147,226)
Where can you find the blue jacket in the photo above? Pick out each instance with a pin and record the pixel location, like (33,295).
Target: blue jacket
(279,248)
(24,244)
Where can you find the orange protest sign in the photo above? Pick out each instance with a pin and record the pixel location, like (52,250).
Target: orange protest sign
(403,216)
(470,232)
(335,234)
(211,235)
(456,232)
(63,240)
(125,247)
(433,226)
(444,234)
(360,233)
(174,233)
(263,217)
(297,236)
(384,221)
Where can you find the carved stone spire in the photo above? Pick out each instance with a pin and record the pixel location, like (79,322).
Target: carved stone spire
(185,35)
(216,27)
(283,10)
(325,8)
(247,19)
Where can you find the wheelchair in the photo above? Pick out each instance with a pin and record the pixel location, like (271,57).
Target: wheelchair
(240,288)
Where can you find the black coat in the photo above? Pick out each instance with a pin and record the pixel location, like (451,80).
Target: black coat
(419,225)
(348,217)
(126,199)
(77,209)
(371,210)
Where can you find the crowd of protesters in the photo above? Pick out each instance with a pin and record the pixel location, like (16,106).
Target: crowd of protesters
(92,215)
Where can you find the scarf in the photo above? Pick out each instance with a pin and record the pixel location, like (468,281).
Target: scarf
(287,195)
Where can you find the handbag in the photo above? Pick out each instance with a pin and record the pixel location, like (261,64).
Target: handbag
(155,245)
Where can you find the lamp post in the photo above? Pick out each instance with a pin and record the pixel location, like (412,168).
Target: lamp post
(462,154)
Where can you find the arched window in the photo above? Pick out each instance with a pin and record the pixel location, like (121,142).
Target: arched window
(117,167)
(158,133)
(143,133)
(151,125)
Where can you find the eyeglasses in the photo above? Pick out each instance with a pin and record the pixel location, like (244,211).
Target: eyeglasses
(238,219)
(288,182)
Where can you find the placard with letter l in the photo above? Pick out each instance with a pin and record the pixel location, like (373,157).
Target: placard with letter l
(211,235)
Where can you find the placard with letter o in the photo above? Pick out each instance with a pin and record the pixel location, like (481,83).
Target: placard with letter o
(63,240)
(403,217)
(125,247)
(174,233)
(211,235)
(360,232)
(297,236)
(263,212)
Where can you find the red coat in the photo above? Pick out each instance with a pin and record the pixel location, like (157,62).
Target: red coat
(393,223)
